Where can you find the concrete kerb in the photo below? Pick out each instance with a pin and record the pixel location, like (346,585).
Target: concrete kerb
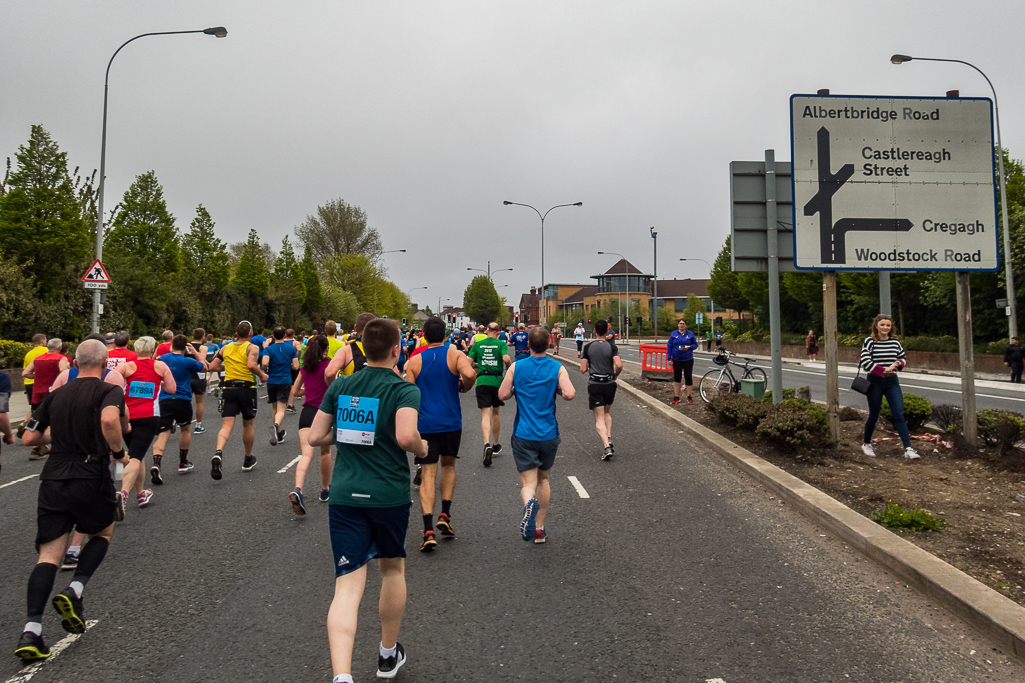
(995,616)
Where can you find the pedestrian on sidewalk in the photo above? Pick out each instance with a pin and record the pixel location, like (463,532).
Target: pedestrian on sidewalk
(811,345)
(578,335)
(882,357)
(680,350)
(1013,359)
(536,381)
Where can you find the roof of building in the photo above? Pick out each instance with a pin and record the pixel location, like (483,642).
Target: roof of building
(621,267)
(525,301)
(673,289)
(577,297)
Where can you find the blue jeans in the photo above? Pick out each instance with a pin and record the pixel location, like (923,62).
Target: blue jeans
(890,388)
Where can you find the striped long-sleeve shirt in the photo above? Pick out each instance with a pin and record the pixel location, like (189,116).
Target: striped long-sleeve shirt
(881,353)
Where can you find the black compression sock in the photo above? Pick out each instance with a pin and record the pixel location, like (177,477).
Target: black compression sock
(446,505)
(429,522)
(183,456)
(89,560)
(40,583)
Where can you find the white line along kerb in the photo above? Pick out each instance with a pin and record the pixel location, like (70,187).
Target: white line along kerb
(26,675)
(579,487)
(285,468)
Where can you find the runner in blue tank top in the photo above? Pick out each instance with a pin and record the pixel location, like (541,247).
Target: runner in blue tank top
(536,381)
(441,372)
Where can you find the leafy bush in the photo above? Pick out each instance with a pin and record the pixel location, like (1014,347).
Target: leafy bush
(894,516)
(788,426)
(995,348)
(813,409)
(856,339)
(1001,427)
(849,414)
(946,417)
(738,409)
(945,344)
(12,353)
(803,393)
(917,411)
(787,393)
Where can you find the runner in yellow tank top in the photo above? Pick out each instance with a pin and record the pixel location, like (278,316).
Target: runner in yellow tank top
(241,362)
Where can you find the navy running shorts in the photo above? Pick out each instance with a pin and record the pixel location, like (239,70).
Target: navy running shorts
(531,455)
(439,444)
(361,534)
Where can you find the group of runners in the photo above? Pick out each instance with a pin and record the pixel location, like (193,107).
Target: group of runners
(375,396)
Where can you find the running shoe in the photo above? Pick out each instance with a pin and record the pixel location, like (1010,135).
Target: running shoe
(387,667)
(248,463)
(445,525)
(290,410)
(199,428)
(867,449)
(20,430)
(418,477)
(143,498)
(527,527)
(185,467)
(69,606)
(607,453)
(496,448)
(428,543)
(69,562)
(281,436)
(690,399)
(611,446)
(911,454)
(38,453)
(215,465)
(676,400)
(297,500)
(487,454)
(325,495)
(31,647)
(154,474)
(540,536)
(274,440)
(119,506)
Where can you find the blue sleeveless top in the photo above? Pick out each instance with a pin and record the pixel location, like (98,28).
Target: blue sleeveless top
(439,409)
(534,381)
(73,373)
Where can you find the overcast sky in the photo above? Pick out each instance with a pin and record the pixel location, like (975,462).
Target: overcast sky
(429,114)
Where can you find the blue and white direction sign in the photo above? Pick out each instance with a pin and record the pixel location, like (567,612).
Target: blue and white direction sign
(893,183)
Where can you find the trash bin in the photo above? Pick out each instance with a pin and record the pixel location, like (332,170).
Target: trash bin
(755,388)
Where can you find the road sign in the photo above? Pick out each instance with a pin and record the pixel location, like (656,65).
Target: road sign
(94,285)
(96,274)
(893,183)
(1001,303)
(699,318)
(749,241)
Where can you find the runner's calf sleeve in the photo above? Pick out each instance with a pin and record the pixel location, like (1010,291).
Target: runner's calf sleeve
(446,505)
(40,583)
(183,456)
(89,561)
(429,522)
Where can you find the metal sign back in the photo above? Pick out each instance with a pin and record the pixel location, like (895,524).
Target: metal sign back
(748,216)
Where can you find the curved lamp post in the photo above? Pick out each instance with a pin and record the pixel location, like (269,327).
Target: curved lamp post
(218,31)
(390,251)
(542,216)
(489,271)
(1008,269)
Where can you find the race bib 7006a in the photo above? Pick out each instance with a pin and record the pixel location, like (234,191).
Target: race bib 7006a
(356,420)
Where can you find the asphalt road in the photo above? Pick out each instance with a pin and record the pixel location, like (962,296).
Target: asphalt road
(675,568)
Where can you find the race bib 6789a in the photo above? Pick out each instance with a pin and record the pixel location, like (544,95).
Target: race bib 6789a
(356,420)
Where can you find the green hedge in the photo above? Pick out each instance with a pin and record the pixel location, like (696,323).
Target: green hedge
(944,343)
(917,411)
(12,353)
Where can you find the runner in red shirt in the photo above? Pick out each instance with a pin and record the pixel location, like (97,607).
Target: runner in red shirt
(44,370)
(120,354)
(165,346)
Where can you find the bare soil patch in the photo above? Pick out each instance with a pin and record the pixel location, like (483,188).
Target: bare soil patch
(972,489)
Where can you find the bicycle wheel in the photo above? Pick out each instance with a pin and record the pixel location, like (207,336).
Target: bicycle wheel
(757,373)
(714,383)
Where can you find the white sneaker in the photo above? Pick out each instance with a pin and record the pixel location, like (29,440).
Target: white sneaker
(911,454)
(867,449)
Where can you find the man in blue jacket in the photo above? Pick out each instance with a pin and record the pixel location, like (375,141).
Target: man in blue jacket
(680,350)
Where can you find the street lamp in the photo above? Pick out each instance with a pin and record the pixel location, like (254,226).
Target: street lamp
(619,291)
(1008,270)
(391,251)
(711,314)
(218,31)
(410,292)
(543,308)
(489,271)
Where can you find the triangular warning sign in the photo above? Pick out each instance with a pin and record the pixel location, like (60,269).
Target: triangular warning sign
(96,273)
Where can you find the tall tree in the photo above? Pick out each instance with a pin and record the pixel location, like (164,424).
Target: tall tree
(354,273)
(204,254)
(42,221)
(252,272)
(287,287)
(481,301)
(144,228)
(337,229)
(314,299)
(724,286)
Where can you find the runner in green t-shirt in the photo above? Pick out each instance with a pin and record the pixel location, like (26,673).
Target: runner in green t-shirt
(371,417)
(490,357)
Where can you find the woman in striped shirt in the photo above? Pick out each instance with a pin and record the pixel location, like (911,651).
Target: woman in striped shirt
(881,357)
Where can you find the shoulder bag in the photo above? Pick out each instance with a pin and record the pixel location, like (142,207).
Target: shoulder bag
(861,384)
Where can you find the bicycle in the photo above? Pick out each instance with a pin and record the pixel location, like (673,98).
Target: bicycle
(722,381)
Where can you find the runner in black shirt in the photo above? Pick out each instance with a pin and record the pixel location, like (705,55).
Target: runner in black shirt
(601,361)
(83,422)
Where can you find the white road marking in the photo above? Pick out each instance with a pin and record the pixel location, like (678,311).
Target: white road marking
(581,491)
(26,674)
(16,481)
(285,468)
(714,680)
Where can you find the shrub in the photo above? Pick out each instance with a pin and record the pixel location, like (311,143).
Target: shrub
(803,393)
(917,411)
(996,348)
(945,343)
(848,414)
(814,410)
(787,393)
(946,417)
(788,426)
(1001,428)
(738,409)
(12,353)
(894,516)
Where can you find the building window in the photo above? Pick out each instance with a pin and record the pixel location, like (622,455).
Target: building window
(681,304)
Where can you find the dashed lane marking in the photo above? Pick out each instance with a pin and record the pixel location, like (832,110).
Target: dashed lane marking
(714,680)
(581,491)
(26,674)
(18,481)
(294,461)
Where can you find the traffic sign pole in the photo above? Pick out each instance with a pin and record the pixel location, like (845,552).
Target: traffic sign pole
(771,224)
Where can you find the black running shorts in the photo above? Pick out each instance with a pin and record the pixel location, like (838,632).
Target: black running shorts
(487,397)
(198,387)
(601,394)
(239,401)
(85,504)
(175,411)
(278,393)
(307,415)
(684,368)
(439,444)
(144,430)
